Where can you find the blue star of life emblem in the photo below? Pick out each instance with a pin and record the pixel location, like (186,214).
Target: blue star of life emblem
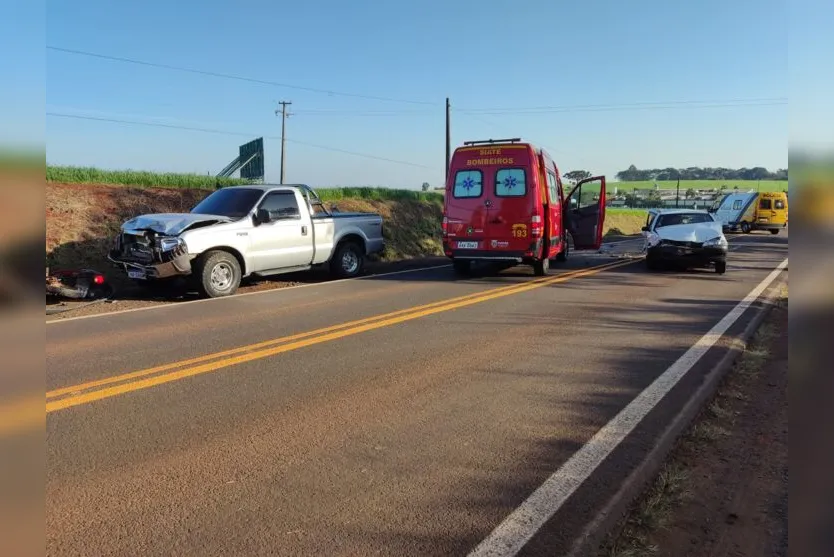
(510,182)
(468,183)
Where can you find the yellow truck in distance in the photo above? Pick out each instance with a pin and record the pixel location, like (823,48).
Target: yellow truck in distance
(753,211)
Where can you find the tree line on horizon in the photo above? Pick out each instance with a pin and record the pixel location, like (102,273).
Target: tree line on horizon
(634,174)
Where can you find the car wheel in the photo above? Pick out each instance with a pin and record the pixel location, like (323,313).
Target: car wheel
(540,268)
(562,256)
(218,274)
(745,227)
(652,264)
(720,267)
(348,260)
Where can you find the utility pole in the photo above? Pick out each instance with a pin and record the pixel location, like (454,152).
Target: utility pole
(448,139)
(678,194)
(284,116)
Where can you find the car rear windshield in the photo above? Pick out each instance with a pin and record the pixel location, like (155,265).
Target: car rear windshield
(468,183)
(233,202)
(780,204)
(510,182)
(682,218)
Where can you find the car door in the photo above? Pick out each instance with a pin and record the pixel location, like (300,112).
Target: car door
(554,198)
(467,209)
(585,212)
(509,227)
(286,239)
(765,212)
(780,210)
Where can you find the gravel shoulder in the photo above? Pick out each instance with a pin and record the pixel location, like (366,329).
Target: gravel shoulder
(724,489)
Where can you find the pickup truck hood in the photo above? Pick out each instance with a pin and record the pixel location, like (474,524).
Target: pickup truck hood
(172,224)
(698,232)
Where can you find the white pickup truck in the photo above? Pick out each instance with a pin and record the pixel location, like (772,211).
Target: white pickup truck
(245,230)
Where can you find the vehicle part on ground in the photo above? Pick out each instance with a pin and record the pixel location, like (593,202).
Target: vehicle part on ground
(78,284)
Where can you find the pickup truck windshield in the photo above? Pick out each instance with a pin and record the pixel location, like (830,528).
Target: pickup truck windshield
(233,202)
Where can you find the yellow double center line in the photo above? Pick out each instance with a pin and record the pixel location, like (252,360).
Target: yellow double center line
(91,391)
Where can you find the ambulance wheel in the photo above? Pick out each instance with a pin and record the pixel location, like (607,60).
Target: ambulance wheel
(540,268)
(562,256)
(774,231)
(745,227)
(462,266)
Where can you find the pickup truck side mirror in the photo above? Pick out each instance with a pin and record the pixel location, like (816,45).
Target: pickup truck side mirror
(262,216)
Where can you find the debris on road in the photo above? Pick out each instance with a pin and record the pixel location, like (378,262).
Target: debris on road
(76,285)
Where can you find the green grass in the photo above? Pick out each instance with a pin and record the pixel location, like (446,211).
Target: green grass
(378,194)
(138,178)
(743,185)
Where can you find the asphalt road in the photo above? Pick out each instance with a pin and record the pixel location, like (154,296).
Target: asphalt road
(300,422)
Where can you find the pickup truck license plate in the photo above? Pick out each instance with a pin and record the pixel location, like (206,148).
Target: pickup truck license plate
(467,245)
(136,274)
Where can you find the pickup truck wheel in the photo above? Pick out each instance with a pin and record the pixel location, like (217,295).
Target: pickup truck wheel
(745,227)
(720,267)
(348,260)
(774,231)
(217,273)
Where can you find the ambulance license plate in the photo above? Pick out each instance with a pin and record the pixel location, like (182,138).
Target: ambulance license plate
(467,245)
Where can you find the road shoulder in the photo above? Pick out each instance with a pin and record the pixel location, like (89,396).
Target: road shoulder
(723,489)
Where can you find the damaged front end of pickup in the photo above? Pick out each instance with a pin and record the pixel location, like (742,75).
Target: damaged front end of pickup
(148,255)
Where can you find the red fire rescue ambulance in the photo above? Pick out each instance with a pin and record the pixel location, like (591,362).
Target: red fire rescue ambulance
(504,203)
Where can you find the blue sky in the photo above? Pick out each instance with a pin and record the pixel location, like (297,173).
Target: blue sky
(484,55)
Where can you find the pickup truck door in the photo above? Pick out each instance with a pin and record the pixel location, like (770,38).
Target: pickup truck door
(585,212)
(286,240)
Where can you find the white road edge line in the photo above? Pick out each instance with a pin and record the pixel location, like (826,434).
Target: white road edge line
(271,291)
(509,537)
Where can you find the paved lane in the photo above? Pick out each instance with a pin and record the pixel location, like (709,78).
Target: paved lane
(413,438)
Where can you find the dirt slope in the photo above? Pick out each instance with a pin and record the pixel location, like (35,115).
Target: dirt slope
(82,219)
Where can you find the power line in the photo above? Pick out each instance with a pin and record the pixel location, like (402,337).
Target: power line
(667,105)
(231,76)
(233,133)
(350,112)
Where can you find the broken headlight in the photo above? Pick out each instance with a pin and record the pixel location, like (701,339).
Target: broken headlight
(170,243)
(717,242)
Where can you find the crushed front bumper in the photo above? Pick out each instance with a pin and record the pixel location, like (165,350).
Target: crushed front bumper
(687,254)
(165,264)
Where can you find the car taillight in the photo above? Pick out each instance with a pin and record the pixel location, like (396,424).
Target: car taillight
(536,226)
(445,226)
(98,279)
